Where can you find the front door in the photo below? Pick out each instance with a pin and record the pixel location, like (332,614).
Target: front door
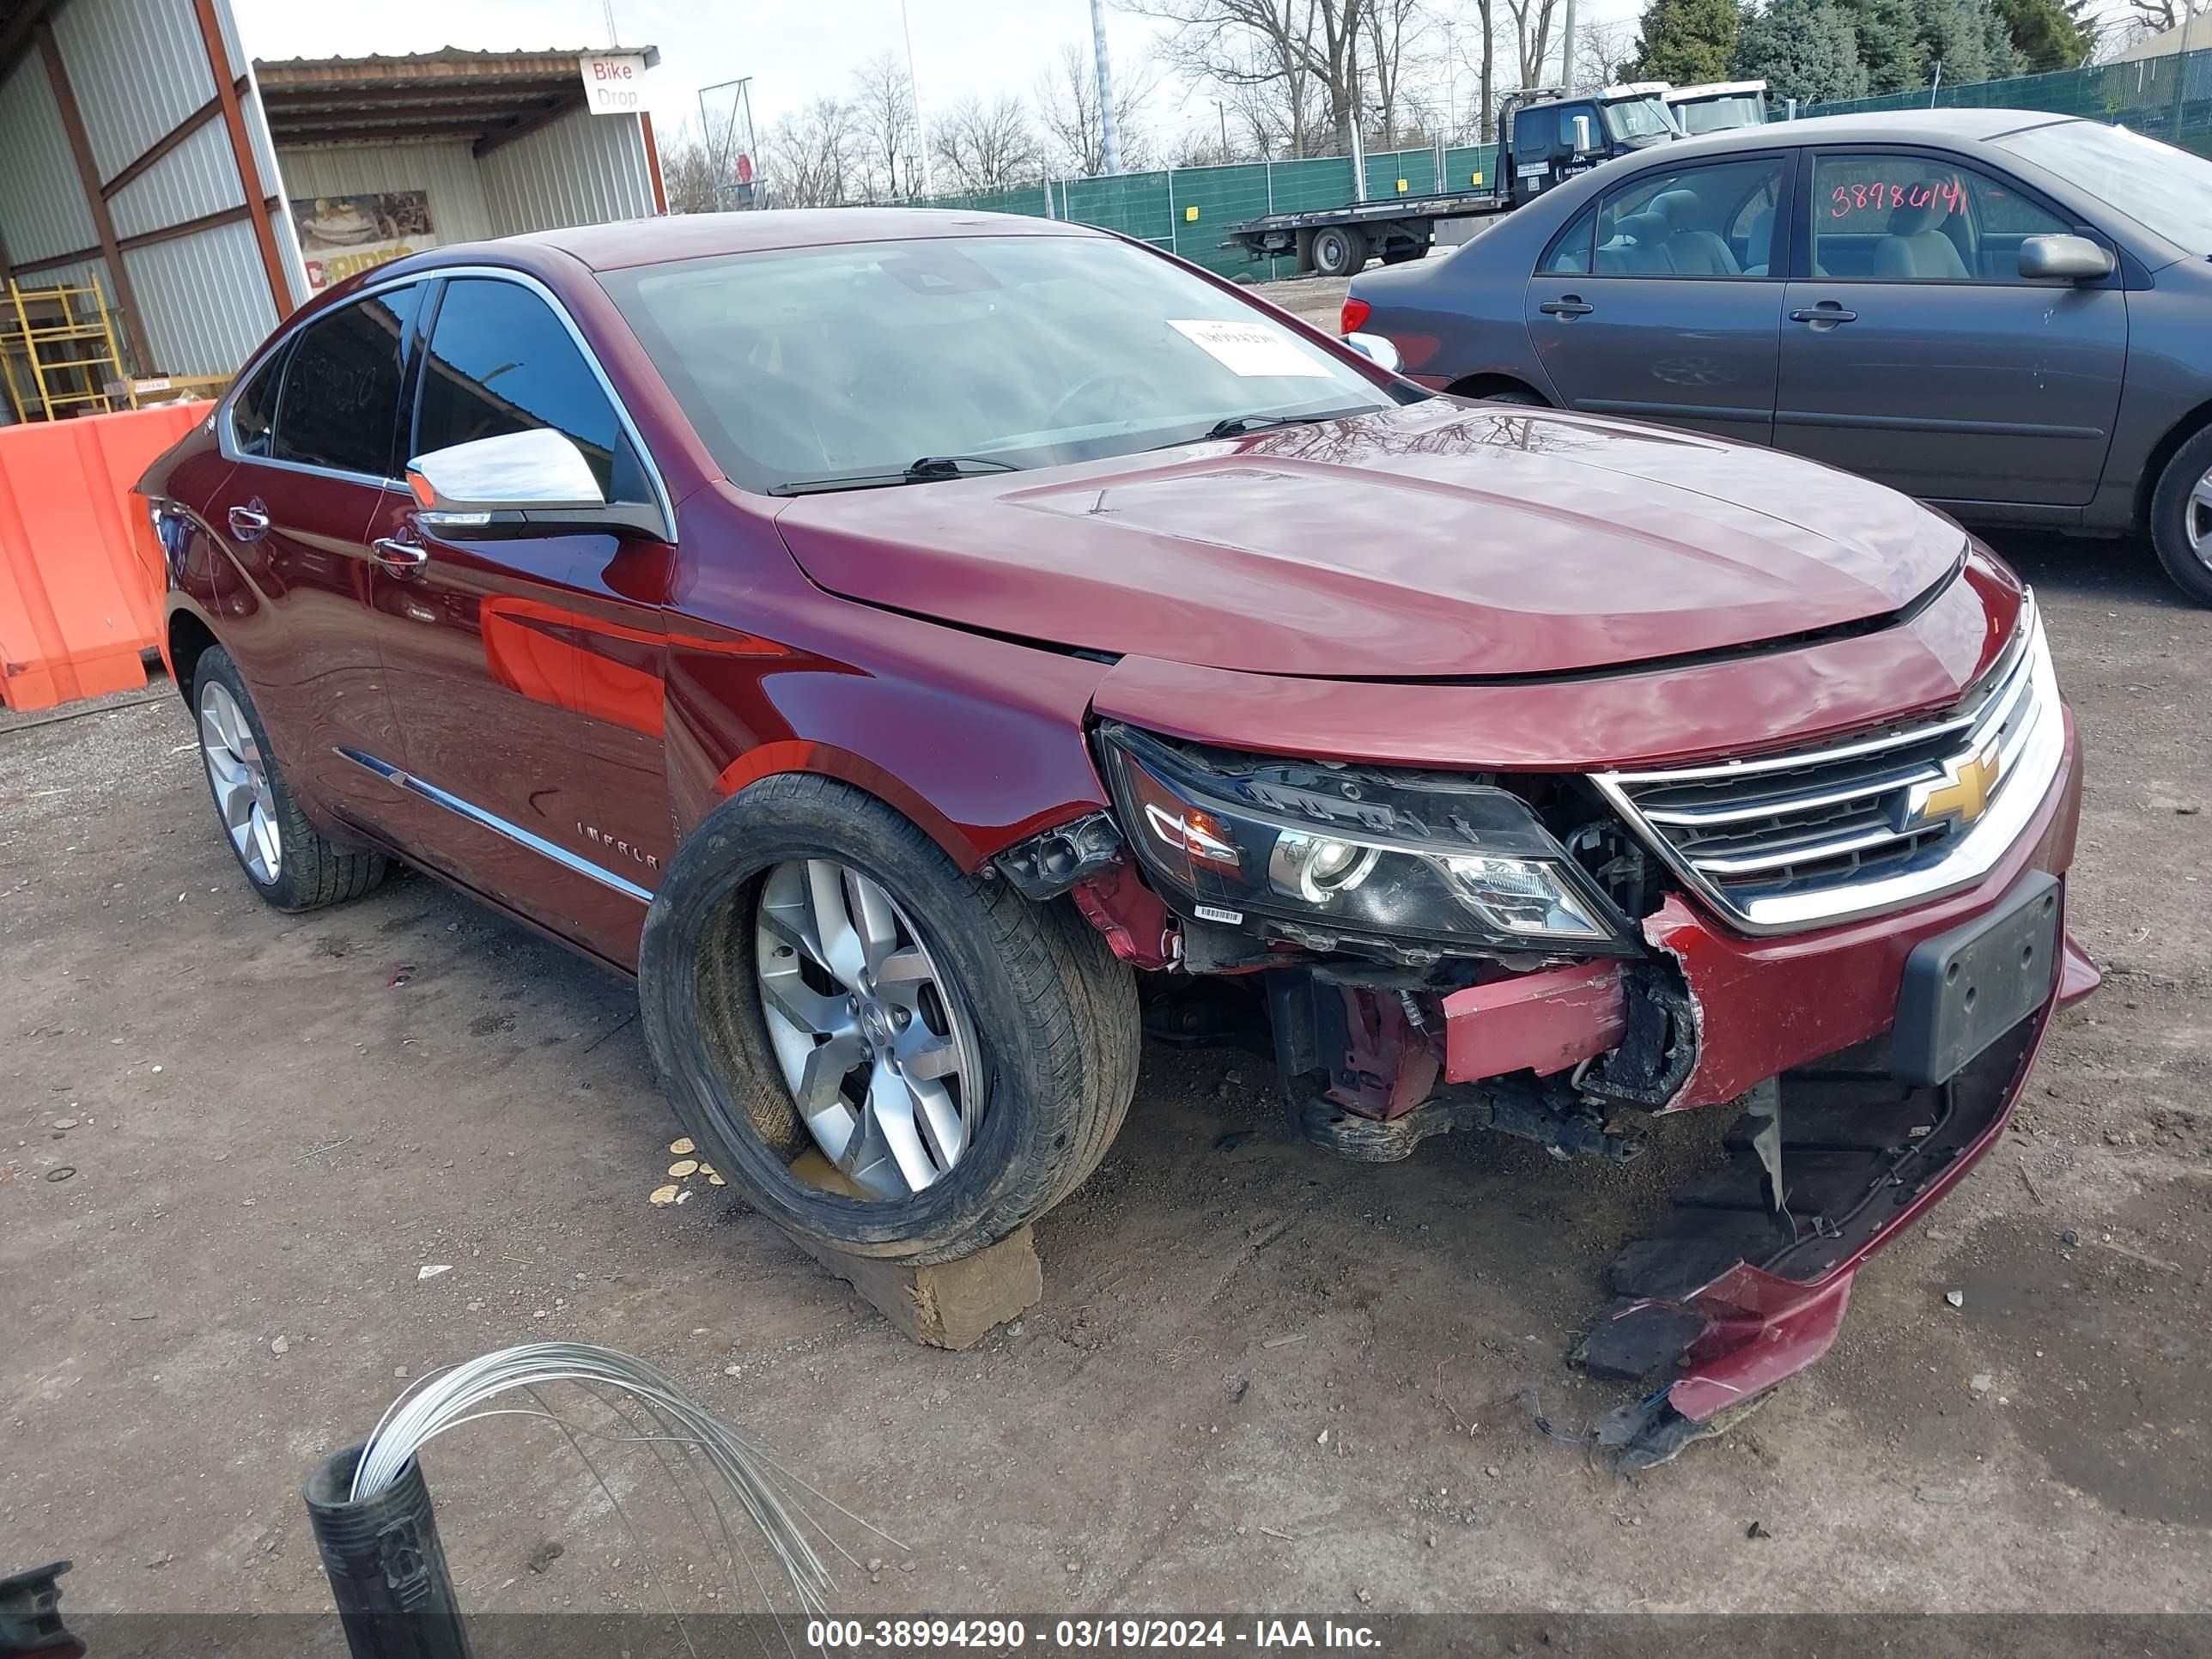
(1663,300)
(1914,352)
(315,436)
(528,671)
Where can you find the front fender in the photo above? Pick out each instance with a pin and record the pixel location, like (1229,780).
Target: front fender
(980,741)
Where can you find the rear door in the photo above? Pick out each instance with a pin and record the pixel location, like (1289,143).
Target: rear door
(314,434)
(1914,352)
(1663,300)
(528,672)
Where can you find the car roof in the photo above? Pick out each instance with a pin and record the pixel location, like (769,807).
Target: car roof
(701,235)
(1902,127)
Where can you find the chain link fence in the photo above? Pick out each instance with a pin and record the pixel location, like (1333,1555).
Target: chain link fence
(2169,98)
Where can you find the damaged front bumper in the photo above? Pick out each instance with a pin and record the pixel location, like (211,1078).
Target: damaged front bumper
(1741,1286)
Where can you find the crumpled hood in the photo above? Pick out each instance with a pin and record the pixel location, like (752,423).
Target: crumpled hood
(1439,540)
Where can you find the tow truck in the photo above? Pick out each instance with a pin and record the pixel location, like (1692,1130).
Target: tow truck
(1545,135)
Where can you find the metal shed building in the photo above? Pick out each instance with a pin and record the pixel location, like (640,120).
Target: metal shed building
(143,149)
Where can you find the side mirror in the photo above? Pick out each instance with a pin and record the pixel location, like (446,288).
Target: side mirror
(2069,259)
(519,483)
(1376,349)
(1583,145)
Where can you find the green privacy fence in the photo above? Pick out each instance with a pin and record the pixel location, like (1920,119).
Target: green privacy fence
(2169,98)
(1188,210)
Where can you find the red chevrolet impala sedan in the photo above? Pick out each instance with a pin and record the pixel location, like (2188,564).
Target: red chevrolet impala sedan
(910,643)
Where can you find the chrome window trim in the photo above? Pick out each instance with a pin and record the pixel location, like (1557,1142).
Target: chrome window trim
(514,832)
(2032,759)
(225,440)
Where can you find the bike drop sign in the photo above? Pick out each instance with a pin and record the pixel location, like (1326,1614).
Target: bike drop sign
(614,82)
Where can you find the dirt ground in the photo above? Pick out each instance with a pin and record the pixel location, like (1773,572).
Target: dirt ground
(274,1123)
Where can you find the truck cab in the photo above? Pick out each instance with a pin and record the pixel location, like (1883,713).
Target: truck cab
(1546,136)
(1718,106)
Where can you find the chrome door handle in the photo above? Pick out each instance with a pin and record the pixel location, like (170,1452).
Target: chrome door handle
(1573,305)
(249,523)
(1828,313)
(400,558)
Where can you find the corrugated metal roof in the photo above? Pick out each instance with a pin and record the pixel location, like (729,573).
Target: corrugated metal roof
(489,98)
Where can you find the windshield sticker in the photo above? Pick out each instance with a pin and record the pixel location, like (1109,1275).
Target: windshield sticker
(1255,350)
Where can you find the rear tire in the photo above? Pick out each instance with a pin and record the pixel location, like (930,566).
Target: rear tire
(1513,394)
(1050,1014)
(1339,251)
(284,857)
(2181,518)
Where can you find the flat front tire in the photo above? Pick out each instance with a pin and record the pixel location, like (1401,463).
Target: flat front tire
(287,860)
(886,1055)
(2181,518)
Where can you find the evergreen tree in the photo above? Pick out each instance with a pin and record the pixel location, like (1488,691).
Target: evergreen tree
(1802,49)
(1889,42)
(1951,35)
(1685,41)
(2047,35)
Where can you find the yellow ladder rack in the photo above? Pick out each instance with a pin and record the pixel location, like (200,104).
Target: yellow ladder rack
(57,351)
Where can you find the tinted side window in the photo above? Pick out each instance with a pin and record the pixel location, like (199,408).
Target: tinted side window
(1535,131)
(1569,252)
(340,406)
(254,413)
(500,362)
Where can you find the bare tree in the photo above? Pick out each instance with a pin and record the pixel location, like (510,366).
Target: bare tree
(1236,42)
(890,137)
(2142,18)
(1601,48)
(813,159)
(1532,36)
(987,146)
(1067,110)
(687,171)
(1399,33)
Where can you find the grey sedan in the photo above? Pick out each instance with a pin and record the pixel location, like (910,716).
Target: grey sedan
(2006,313)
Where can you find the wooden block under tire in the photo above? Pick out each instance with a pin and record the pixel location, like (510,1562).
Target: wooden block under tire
(948,1305)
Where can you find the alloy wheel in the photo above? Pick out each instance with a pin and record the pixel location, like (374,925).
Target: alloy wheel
(239,773)
(2197,520)
(872,1036)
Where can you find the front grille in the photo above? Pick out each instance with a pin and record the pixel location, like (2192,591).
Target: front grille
(1793,840)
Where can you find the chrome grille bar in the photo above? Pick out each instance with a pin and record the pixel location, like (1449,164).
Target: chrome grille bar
(1781,842)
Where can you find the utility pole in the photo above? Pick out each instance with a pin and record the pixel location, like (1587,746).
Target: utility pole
(1109,140)
(1222,110)
(914,86)
(1567,48)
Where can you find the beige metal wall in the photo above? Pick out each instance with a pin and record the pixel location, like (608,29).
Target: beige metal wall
(583,169)
(451,177)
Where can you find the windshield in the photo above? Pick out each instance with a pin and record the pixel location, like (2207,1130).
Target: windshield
(1738,109)
(2167,192)
(805,364)
(1634,119)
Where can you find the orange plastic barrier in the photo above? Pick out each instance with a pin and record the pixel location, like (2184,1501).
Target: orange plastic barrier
(80,575)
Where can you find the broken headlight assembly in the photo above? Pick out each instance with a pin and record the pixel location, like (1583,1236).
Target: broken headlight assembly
(1350,852)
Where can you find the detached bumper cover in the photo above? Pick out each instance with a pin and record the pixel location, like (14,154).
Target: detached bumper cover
(1728,1295)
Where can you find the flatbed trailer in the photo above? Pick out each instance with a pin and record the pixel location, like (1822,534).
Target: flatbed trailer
(1337,241)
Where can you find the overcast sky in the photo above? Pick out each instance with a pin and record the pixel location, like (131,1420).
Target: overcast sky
(794,50)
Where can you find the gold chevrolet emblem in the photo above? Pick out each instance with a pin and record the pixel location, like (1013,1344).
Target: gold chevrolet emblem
(1964,794)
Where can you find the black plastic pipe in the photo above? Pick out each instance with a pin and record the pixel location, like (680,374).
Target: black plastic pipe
(387,1568)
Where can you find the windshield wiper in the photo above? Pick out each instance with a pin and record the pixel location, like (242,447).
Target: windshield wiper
(1236,426)
(930,469)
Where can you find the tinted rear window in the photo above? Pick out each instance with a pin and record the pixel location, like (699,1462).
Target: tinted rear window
(340,406)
